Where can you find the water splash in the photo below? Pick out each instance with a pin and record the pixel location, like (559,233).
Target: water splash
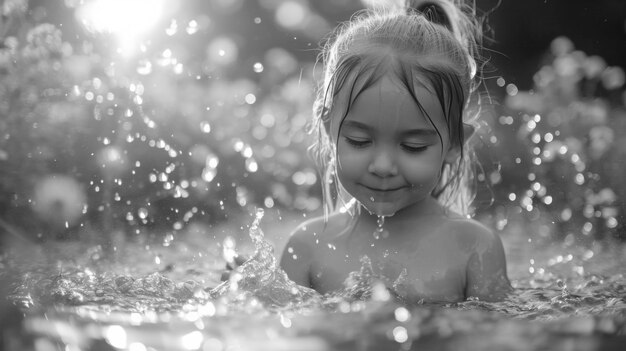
(260,277)
(358,285)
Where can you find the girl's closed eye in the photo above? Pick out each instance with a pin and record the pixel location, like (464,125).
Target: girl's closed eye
(357,142)
(414,148)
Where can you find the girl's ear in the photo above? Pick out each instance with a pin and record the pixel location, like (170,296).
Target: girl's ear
(455,150)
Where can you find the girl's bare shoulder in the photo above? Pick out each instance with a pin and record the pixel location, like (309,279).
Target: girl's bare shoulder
(470,232)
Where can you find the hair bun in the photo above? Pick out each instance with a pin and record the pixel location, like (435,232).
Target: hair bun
(432,10)
(457,17)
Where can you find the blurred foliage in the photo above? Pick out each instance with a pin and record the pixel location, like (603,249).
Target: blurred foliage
(157,141)
(563,147)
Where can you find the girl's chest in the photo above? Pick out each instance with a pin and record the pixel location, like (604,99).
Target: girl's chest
(434,272)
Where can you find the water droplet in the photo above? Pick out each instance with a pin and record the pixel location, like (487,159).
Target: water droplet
(380,232)
(172,29)
(285,321)
(251,165)
(250,98)
(223,50)
(402,314)
(511,89)
(228,249)
(142,213)
(144,67)
(205,127)
(208,174)
(192,27)
(400,334)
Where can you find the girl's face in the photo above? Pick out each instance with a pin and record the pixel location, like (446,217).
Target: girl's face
(389,153)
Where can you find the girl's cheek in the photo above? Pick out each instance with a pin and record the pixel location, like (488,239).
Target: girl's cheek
(424,169)
(349,161)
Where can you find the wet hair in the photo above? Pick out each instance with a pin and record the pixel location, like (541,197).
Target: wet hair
(432,43)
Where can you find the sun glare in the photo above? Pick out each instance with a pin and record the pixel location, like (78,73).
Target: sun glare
(128,20)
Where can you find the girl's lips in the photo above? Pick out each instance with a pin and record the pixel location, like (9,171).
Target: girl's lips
(383,190)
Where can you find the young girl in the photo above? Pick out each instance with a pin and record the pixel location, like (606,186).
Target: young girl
(392,148)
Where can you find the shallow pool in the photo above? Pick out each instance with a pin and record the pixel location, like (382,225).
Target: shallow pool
(147,296)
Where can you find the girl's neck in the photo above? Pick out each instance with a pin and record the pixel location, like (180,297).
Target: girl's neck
(427,209)
(420,217)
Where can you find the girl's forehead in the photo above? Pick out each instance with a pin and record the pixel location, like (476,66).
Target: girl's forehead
(389,105)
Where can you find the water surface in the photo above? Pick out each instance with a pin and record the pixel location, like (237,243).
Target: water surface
(146,296)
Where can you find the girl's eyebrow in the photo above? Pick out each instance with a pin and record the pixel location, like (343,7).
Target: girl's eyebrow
(420,132)
(409,132)
(357,125)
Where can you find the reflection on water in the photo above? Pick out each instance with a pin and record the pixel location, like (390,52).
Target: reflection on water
(75,297)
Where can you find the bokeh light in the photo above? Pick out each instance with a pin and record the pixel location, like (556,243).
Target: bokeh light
(59,200)
(222,50)
(128,20)
(291,15)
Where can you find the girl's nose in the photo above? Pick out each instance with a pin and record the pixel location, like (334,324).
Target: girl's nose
(383,165)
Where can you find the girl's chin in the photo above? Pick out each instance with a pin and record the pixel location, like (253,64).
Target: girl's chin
(380,209)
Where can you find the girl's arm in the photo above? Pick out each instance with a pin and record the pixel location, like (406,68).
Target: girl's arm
(297,256)
(486,270)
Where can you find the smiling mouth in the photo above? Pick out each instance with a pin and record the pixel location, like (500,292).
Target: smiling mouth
(377,190)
